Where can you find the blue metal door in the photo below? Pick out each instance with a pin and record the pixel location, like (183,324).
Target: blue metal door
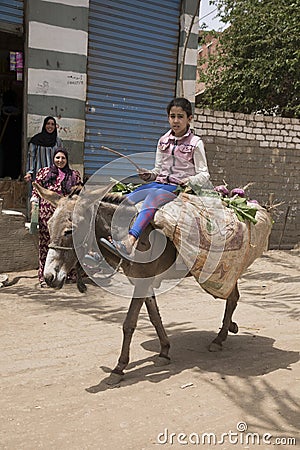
(132,65)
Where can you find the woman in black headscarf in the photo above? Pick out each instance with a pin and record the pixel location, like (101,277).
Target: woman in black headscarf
(59,177)
(41,148)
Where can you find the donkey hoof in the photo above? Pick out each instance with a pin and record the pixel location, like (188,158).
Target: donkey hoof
(215,347)
(161,361)
(81,287)
(114,379)
(233,328)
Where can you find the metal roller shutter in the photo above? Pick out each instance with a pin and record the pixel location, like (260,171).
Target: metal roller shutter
(11,14)
(132,63)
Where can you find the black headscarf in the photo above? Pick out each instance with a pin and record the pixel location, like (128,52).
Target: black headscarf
(70,177)
(44,138)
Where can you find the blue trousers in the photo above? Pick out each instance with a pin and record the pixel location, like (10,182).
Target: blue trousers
(154,195)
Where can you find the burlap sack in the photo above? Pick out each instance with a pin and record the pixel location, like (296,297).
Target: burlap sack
(214,244)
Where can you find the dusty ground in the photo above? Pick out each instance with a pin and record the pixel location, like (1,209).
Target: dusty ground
(56,349)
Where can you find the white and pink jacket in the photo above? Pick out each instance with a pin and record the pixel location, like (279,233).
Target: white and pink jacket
(179,158)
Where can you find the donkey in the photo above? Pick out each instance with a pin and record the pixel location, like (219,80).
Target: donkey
(70,214)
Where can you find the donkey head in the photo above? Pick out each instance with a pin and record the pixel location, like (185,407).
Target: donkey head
(61,257)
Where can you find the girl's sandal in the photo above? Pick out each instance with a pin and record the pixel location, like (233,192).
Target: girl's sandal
(118,248)
(92,260)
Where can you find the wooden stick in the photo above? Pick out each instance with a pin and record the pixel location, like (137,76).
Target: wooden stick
(284,225)
(247,185)
(122,156)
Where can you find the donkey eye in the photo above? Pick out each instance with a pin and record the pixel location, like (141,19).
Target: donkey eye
(68,232)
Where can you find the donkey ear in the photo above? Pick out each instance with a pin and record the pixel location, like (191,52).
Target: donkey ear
(90,195)
(51,196)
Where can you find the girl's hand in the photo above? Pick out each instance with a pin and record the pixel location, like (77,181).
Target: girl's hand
(144,174)
(184,181)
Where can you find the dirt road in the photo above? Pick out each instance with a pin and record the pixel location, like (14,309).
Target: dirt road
(57,347)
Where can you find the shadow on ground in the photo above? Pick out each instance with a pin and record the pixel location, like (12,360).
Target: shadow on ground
(244,356)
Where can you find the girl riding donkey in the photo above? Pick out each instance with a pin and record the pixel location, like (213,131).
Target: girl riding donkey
(180,158)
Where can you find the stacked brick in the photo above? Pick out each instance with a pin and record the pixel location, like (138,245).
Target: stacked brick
(14,194)
(19,249)
(257,149)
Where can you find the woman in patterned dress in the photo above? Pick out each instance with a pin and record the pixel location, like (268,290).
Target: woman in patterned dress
(59,178)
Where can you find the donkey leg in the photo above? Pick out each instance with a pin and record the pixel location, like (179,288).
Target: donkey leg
(154,315)
(227,325)
(81,286)
(129,326)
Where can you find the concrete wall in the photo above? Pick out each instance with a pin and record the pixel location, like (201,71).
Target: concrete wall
(188,50)
(264,150)
(55,72)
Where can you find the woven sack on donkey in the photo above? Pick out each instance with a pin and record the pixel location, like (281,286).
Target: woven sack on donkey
(214,244)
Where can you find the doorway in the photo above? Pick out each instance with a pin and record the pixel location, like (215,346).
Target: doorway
(11,105)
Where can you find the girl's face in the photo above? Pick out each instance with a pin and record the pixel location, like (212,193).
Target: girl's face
(179,121)
(50,126)
(60,160)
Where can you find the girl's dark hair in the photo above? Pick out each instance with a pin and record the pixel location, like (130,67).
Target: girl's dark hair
(183,103)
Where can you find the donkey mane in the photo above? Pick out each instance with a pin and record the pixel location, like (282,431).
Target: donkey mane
(75,190)
(113,198)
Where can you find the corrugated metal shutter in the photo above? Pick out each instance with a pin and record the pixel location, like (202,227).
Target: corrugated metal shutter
(132,63)
(11,13)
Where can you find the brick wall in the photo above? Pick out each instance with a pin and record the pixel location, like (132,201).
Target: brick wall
(19,249)
(14,194)
(264,150)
